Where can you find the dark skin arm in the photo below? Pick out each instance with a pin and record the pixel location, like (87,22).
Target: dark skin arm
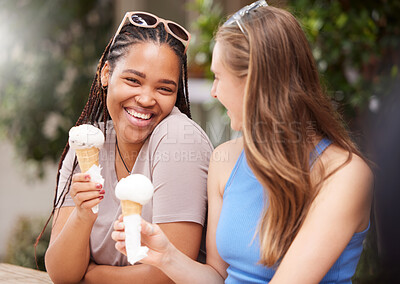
(186,236)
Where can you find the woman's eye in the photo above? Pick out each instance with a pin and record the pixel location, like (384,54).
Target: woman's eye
(133,80)
(168,90)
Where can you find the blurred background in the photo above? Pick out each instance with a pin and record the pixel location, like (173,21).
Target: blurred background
(48,56)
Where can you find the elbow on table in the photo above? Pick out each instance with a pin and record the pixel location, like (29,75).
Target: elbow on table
(58,273)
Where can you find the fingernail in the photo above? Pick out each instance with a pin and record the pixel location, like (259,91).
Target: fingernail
(101,197)
(87,177)
(98,185)
(102,191)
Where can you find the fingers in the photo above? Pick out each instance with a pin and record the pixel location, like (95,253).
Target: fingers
(85,186)
(89,204)
(149,229)
(80,177)
(146,228)
(87,199)
(119,236)
(120,246)
(85,193)
(119,225)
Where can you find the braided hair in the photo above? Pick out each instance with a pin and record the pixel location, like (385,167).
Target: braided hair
(96,111)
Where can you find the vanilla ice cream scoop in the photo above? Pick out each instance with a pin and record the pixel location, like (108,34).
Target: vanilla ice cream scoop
(134,191)
(85,136)
(136,188)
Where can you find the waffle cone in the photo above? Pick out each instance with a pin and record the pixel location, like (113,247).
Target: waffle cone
(130,208)
(87,158)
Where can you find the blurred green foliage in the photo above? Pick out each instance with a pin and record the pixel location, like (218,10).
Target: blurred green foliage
(48,57)
(208,16)
(20,247)
(355,44)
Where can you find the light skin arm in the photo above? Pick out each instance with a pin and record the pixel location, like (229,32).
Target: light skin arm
(67,256)
(186,236)
(341,209)
(218,175)
(164,255)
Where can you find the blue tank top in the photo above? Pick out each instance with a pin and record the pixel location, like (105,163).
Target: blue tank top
(237,243)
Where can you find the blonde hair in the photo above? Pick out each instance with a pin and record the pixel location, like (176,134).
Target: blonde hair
(283,102)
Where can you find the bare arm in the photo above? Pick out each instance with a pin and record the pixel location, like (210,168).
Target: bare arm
(164,255)
(179,268)
(186,236)
(341,209)
(218,176)
(68,254)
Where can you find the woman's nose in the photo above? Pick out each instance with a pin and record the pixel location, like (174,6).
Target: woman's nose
(145,99)
(213,92)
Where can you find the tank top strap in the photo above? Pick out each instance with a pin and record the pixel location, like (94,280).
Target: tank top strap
(318,150)
(234,170)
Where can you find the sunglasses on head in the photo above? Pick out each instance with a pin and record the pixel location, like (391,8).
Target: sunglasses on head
(237,17)
(147,20)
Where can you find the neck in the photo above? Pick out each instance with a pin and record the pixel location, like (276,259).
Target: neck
(125,157)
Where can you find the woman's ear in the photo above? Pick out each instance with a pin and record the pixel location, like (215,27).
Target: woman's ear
(105,74)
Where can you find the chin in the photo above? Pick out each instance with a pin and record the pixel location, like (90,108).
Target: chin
(134,135)
(236,126)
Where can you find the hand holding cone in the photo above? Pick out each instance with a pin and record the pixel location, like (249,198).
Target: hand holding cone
(134,191)
(87,140)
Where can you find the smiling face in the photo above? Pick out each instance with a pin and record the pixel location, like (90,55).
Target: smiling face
(228,88)
(142,90)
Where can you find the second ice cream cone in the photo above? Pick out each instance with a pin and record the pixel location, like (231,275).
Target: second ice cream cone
(134,191)
(130,208)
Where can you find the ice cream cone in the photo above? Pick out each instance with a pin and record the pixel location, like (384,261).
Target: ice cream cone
(130,208)
(87,158)
(134,191)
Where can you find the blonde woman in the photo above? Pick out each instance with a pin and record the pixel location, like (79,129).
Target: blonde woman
(292,203)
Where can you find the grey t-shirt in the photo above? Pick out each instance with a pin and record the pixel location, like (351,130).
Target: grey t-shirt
(175,158)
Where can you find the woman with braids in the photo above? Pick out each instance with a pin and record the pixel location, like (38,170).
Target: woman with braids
(292,203)
(139,99)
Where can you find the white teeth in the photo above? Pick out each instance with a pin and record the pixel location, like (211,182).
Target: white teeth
(138,115)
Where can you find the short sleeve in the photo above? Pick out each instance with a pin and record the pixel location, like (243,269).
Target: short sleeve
(65,175)
(179,172)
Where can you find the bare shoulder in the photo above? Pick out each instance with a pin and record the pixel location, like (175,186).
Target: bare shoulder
(349,187)
(226,154)
(334,157)
(223,160)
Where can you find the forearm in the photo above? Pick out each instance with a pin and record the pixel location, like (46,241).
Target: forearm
(182,269)
(68,255)
(141,273)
